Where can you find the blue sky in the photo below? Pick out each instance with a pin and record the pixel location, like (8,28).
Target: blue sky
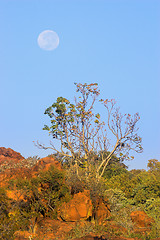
(115,43)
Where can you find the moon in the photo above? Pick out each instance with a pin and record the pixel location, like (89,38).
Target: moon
(48,40)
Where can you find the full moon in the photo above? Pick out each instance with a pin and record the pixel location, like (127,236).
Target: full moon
(48,40)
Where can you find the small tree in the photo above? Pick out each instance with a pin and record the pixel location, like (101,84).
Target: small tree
(83,136)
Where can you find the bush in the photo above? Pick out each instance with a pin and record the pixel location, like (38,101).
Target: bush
(122,182)
(8,219)
(40,196)
(120,208)
(152,208)
(43,194)
(53,188)
(146,186)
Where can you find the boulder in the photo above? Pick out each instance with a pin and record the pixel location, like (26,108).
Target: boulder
(78,208)
(141,219)
(142,222)
(102,211)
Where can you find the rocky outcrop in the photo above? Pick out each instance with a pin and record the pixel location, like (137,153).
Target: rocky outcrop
(71,214)
(8,158)
(9,153)
(13,165)
(78,208)
(45,163)
(49,229)
(54,229)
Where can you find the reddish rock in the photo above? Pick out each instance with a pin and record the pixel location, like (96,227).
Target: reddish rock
(9,157)
(141,219)
(9,174)
(78,208)
(9,153)
(53,229)
(15,195)
(117,228)
(23,235)
(13,165)
(45,163)
(102,211)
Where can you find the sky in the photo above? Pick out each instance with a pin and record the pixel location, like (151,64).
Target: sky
(115,43)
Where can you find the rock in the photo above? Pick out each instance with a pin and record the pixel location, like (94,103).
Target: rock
(142,222)
(78,208)
(8,158)
(23,235)
(12,173)
(15,195)
(9,153)
(10,162)
(118,229)
(13,165)
(45,163)
(53,229)
(141,219)
(102,211)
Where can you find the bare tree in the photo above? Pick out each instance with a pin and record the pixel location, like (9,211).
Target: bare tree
(83,135)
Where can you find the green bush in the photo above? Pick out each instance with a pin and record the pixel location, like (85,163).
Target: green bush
(8,219)
(41,196)
(146,186)
(120,208)
(122,182)
(152,208)
(53,187)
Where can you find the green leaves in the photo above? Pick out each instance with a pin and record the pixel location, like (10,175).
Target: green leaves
(46,128)
(69,121)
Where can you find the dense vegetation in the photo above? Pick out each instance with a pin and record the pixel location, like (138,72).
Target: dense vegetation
(42,195)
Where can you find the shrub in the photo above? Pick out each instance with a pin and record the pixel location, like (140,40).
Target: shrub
(120,208)
(152,208)
(8,220)
(41,195)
